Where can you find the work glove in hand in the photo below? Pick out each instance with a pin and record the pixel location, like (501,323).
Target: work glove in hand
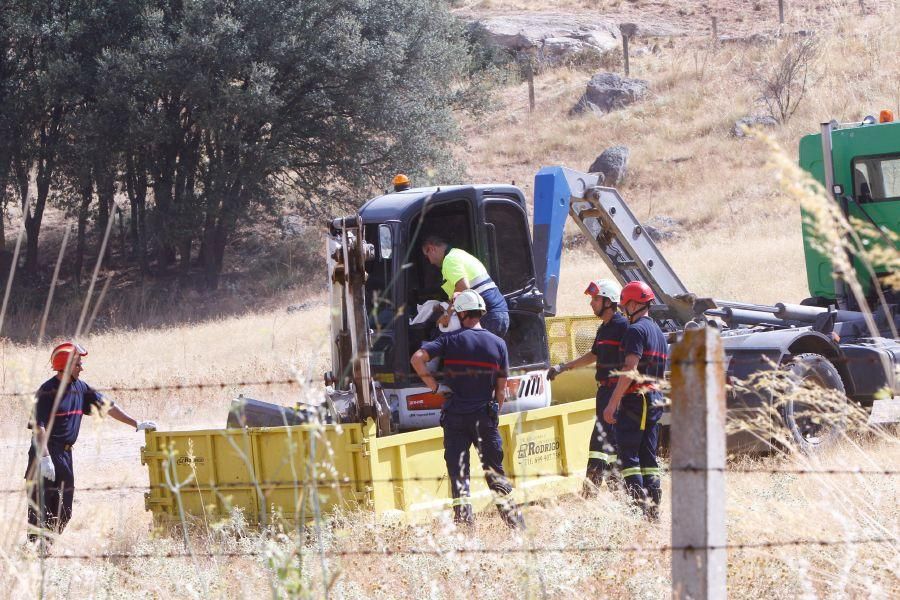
(146,426)
(47,468)
(554,371)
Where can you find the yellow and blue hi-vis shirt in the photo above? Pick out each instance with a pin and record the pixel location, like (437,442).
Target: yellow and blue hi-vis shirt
(458,264)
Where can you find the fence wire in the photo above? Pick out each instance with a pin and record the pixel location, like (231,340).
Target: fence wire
(385,552)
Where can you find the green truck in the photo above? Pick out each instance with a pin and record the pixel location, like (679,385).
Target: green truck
(864,176)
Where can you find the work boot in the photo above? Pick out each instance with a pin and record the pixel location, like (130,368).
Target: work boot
(592,483)
(654,500)
(613,480)
(637,494)
(510,512)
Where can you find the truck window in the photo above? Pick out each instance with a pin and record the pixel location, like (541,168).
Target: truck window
(876,178)
(514,265)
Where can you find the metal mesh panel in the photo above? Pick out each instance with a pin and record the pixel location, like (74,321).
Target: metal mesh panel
(570,337)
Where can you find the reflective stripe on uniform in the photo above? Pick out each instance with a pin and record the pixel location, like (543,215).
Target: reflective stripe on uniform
(631,471)
(482,283)
(652,471)
(461,501)
(643,412)
(607,458)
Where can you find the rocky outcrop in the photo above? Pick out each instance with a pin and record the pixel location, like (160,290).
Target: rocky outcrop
(752,122)
(553,39)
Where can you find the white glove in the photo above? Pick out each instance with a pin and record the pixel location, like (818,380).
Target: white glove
(47,469)
(146,426)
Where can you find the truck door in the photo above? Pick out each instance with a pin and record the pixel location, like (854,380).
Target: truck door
(511,264)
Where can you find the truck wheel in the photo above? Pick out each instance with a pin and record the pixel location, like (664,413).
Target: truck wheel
(813,426)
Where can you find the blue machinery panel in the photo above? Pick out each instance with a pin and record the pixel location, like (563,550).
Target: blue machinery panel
(551,207)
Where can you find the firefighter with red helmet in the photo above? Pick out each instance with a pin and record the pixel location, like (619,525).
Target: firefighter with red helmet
(604,354)
(635,406)
(59,406)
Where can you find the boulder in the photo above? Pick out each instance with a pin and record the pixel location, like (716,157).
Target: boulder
(662,228)
(613,164)
(291,226)
(753,121)
(607,92)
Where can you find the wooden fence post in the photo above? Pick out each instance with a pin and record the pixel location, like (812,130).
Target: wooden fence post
(627,30)
(530,74)
(781,11)
(715,29)
(699,560)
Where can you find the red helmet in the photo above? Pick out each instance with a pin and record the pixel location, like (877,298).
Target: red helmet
(59,358)
(637,291)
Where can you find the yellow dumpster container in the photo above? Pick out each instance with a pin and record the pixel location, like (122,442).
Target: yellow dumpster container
(287,474)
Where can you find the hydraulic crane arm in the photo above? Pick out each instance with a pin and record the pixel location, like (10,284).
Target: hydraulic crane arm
(614,232)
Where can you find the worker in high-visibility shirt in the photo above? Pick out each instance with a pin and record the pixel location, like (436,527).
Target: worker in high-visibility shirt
(602,454)
(462,271)
(59,406)
(635,408)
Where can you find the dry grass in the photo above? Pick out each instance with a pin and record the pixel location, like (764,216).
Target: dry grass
(741,240)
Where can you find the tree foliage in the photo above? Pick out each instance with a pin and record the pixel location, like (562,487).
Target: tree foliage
(200,111)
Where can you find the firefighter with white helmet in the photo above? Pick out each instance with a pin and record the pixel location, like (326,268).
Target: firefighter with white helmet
(476,364)
(604,354)
(59,406)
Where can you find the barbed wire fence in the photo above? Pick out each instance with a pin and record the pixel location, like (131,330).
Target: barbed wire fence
(698,546)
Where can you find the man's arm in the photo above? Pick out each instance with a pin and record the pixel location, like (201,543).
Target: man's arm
(500,391)
(120,415)
(587,359)
(40,440)
(461,285)
(631,362)
(418,360)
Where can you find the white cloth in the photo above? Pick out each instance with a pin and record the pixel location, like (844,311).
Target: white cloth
(426,310)
(48,469)
(146,425)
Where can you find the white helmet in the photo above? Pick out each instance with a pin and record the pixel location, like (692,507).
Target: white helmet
(606,288)
(469,300)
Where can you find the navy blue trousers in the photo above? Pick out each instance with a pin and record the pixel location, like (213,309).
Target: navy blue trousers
(480,429)
(602,454)
(50,502)
(496,322)
(637,436)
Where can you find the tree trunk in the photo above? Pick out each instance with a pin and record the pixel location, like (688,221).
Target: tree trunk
(184,267)
(106,192)
(136,187)
(87,195)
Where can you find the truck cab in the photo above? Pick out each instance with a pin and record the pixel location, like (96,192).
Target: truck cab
(866,173)
(489,222)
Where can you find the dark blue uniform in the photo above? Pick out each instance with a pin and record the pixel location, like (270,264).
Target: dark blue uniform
(50,505)
(637,427)
(473,360)
(602,453)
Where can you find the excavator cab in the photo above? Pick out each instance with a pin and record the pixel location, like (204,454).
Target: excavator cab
(490,223)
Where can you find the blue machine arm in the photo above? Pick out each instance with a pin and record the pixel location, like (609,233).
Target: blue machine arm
(551,206)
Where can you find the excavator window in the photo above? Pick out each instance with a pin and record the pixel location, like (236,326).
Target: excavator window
(451,221)
(511,245)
